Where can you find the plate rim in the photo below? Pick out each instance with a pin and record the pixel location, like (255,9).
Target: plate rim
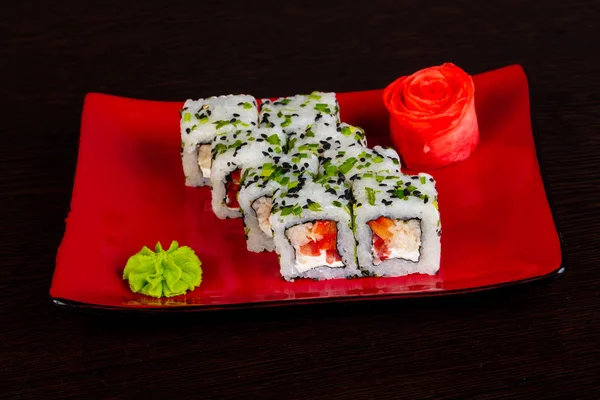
(555,274)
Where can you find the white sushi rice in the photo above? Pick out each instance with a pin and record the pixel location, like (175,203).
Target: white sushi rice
(296,113)
(322,138)
(411,201)
(201,120)
(354,160)
(308,202)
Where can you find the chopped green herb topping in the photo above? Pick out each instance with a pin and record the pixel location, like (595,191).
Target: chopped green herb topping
(346,131)
(347,165)
(285,102)
(267,170)
(323,107)
(336,203)
(274,139)
(287,122)
(331,170)
(187,117)
(220,124)
(316,207)
(219,148)
(377,159)
(423,180)
(314,96)
(370,195)
(247,105)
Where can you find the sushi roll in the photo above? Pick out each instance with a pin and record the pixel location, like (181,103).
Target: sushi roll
(355,160)
(296,113)
(203,119)
(256,193)
(312,229)
(397,224)
(232,153)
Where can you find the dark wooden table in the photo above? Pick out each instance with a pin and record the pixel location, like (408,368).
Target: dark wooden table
(533,342)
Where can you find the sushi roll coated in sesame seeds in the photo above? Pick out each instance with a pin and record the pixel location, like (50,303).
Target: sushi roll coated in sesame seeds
(296,113)
(256,197)
(201,120)
(397,224)
(311,221)
(232,153)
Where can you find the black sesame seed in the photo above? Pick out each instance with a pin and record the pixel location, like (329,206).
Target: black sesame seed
(265,154)
(306,164)
(187,130)
(362,159)
(270,150)
(430,179)
(326,123)
(240,103)
(425,200)
(260,140)
(318,117)
(223,138)
(232,120)
(417,193)
(253,123)
(236,114)
(330,190)
(359,204)
(382,185)
(407,184)
(406,192)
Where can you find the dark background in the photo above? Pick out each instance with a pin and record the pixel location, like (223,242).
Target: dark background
(533,342)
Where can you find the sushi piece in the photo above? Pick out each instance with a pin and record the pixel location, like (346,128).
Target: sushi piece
(203,119)
(397,224)
(256,193)
(296,113)
(321,138)
(355,160)
(232,153)
(312,226)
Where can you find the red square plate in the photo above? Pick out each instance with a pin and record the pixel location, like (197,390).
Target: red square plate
(129,191)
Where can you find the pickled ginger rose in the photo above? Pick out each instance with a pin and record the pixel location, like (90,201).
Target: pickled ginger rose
(432,116)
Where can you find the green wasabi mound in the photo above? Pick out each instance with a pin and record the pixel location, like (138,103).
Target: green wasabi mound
(163,273)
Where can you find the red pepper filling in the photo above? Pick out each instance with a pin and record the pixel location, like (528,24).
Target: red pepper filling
(381,236)
(232,188)
(325,238)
